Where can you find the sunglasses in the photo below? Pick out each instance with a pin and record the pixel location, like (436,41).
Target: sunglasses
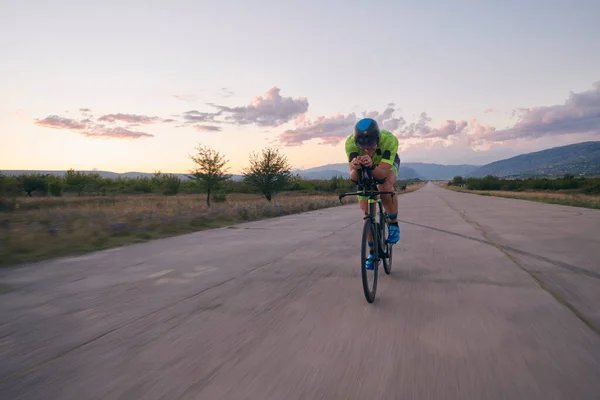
(367,146)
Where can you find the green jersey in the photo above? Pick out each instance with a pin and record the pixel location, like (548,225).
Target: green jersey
(387,150)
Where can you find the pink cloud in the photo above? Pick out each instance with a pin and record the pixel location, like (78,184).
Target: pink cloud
(113,133)
(131,118)
(89,128)
(331,130)
(207,128)
(580,114)
(56,122)
(270,109)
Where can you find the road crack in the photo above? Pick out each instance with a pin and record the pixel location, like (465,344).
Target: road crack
(590,324)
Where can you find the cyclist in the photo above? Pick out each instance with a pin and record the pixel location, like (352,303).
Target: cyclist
(376,149)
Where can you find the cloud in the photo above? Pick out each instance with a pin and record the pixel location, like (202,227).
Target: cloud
(209,128)
(130,118)
(331,130)
(386,119)
(580,113)
(271,109)
(56,122)
(89,127)
(186,97)
(226,93)
(113,133)
(268,110)
(422,130)
(479,135)
(194,116)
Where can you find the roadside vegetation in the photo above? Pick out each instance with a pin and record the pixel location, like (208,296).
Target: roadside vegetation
(567,190)
(43,216)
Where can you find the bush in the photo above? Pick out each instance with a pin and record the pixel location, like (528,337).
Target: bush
(171,185)
(568,182)
(219,197)
(8,204)
(592,188)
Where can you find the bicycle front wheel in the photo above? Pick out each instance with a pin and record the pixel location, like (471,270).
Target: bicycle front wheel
(369,289)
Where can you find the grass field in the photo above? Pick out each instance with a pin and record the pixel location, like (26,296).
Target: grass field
(42,228)
(567,198)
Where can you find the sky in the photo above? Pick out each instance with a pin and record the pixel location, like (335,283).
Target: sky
(138,85)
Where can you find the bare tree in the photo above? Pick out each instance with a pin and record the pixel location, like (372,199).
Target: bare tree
(268,172)
(210,169)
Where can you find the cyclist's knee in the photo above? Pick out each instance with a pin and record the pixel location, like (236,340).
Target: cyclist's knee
(386,186)
(364,206)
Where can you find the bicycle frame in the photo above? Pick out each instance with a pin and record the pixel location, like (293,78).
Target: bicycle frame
(373,229)
(367,187)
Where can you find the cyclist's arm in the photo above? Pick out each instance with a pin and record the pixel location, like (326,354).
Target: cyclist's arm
(352,152)
(389,150)
(382,170)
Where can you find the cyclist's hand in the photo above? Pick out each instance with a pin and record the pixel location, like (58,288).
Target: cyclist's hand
(366,161)
(355,163)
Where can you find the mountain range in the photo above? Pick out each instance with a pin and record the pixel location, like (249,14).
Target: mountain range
(576,159)
(415,170)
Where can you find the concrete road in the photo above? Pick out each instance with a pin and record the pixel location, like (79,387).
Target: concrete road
(489,298)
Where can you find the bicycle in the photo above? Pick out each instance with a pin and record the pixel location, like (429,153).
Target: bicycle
(382,250)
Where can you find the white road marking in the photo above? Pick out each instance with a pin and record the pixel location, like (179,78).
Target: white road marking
(171,280)
(160,273)
(200,272)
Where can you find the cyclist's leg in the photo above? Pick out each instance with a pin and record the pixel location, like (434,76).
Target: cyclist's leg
(390,203)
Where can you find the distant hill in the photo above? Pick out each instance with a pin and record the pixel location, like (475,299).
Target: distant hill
(324,172)
(439,171)
(408,170)
(576,159)
(104,174)
(341,169)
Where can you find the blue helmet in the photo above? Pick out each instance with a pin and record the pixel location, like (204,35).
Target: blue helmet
(366,133)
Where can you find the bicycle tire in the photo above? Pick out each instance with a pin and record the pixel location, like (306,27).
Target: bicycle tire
(368,227)
(386,247)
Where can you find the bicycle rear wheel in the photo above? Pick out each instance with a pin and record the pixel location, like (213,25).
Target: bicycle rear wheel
(369,289)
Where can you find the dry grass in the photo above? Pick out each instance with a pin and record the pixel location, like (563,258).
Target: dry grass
(415,186)
(44,227)
(551,197)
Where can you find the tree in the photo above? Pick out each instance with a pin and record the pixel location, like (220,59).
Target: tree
(458,181)
(34,182)
(172,185)
(210,170)
(268,172)
(76,180)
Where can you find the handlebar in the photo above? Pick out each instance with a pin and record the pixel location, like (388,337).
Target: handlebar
(368,193)
(366,180)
